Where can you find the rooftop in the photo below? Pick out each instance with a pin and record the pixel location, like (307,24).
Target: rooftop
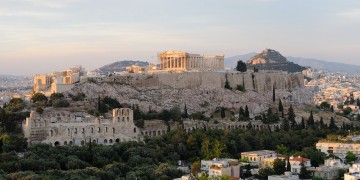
(259,153)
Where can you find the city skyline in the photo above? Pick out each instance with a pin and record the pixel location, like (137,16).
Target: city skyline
(40,36)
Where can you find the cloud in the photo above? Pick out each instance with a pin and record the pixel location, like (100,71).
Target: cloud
(51,3)
(351,14)
(30,14)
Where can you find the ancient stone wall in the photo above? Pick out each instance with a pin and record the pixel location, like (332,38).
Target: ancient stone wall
(260,82)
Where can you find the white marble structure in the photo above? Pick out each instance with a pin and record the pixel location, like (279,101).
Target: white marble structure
(179,60)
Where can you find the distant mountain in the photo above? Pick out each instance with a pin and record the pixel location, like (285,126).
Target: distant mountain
(325,65)
(231,62)
(270,59)
(120,66)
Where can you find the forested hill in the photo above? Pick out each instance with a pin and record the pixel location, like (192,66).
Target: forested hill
(272,60)
(120,66)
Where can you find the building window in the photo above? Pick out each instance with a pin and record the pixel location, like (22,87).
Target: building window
(92,130)
(113,130)
(106,129)
(105,141)
(111,141)
(134,130)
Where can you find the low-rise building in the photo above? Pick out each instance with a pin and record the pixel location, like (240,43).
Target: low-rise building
(255,157)
(286,176)
(269,162)
(296,162)
(219,167)
(338,148)
(354,173)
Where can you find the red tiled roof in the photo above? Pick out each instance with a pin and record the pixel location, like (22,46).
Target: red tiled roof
(299,159)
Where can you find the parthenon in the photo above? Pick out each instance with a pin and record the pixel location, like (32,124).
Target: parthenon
(179,60)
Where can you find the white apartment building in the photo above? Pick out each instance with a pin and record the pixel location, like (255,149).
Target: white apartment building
(338,148)
(219,167)
(254,157)
(295,163)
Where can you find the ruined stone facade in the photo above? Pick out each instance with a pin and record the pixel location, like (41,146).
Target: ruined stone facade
(57,82)
(178,60)
(65,128)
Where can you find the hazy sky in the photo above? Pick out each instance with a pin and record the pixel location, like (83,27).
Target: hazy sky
(38,36)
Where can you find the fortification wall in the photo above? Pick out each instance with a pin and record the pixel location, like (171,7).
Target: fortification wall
(260,82)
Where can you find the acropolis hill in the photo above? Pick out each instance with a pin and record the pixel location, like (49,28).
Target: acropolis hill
(197,82)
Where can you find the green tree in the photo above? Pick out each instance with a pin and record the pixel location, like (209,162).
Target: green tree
(279,166)
(324,105)
(218,148)
(39,110)
(281,149)
(285,124)
(15,105)
(265,172)
(347,111)
(222,112)
(39,97)
(205,151)
(247,113)
(350,157)
(303,126)
(332,125)
(291,117)
(195,168)
(274,96)
(310,121)
(304,173)
(185,115)
(241,66)
(175,113)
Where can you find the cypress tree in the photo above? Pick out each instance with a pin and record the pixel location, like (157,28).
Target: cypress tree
(285,124)
(247,114)
(302,123)
(273,93)
(321,123)
(311,121)
(281,108)
(291,117)
(222,112)
(186,115)
(332,124)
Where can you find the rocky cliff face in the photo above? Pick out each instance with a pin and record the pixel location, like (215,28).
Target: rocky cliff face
(200,91)
(272,60)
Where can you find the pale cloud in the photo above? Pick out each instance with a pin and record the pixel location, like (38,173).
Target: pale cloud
(51,3)
(351,14)
(30,14)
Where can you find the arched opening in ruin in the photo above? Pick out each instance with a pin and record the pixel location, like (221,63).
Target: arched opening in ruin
(65,143)
(75,130)
(92,130)
(99,129)
(111,141)
(123,119)
(51,133)
(127,119)
(106,129)
(68,131)
(83,130)
(94,141)
(118,118)
(117,140)
(105,141)
(134,130)
(82,142)
(70,142)
(113,130)
(159,133)
(57,143)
